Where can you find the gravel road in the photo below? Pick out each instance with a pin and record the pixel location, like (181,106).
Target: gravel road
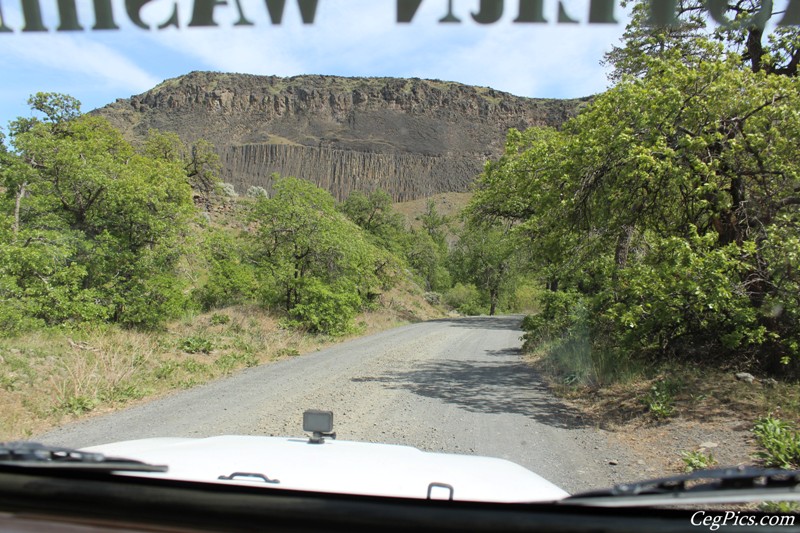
(455,385)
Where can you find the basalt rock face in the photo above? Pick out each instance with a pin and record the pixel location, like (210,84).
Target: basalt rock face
(410,137)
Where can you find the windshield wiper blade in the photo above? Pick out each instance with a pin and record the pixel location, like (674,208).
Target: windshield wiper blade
(36,455)
(721,485)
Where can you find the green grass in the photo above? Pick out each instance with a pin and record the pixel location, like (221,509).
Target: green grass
(660,400)
(196,344)
(573,362)
(779,441)
(697,461)
(218,319)
(779,507)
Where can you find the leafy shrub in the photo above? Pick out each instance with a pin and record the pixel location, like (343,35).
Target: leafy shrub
(196,344)
(218,319)
(561,312)
(229,282)
(697,461)
(472,308)
(227,189)
(779,507)
(780,441)
(525,297)
(147,303)
(684,298)
(77,405)
(15,314)
(433,298)
(464,298)
(257,192)
(660,401)
(325,309)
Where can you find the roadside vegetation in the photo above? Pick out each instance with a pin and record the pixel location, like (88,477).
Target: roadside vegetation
(663,218)
(662,227)
(51,376)
(652,242)
(127,271)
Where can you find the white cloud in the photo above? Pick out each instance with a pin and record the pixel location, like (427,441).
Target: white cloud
(49,58)
(287,49)
(361,37)
(541,61)
(349,37)
(80,55)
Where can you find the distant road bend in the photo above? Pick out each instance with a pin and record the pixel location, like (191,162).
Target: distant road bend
(453,385)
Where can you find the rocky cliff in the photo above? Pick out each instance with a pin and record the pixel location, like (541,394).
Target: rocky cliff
(411,137)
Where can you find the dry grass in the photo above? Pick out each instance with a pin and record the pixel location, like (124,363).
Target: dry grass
(708,411)
(448,204)
(52,377)
(700,395)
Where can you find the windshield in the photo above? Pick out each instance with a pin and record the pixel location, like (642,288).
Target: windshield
(561,234)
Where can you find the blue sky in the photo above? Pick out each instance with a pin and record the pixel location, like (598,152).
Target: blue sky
(348,38)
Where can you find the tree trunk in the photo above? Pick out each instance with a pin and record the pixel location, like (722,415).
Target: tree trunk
(754,48)
(623,246)
(728,223)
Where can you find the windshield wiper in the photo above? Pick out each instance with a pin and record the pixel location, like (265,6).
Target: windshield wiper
(35,455)
(722,485)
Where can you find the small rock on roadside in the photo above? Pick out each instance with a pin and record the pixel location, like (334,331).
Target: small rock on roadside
(708,444)
(613,462)
(746,377)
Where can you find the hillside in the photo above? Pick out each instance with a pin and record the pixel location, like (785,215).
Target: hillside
(413,138)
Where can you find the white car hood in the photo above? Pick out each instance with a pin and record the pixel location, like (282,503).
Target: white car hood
(338,467)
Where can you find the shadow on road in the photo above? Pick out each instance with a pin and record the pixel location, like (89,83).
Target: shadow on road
(500,384)
(484,322)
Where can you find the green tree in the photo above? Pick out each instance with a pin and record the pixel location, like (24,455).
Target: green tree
(427,258)
(667,205)
(435,224)
(95,227)
(740,26)
(200,161)
(57,108)
(425,250)
(642,41)
(232,276)
(484,256)
(319,261)
(526,188)
(373,213)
